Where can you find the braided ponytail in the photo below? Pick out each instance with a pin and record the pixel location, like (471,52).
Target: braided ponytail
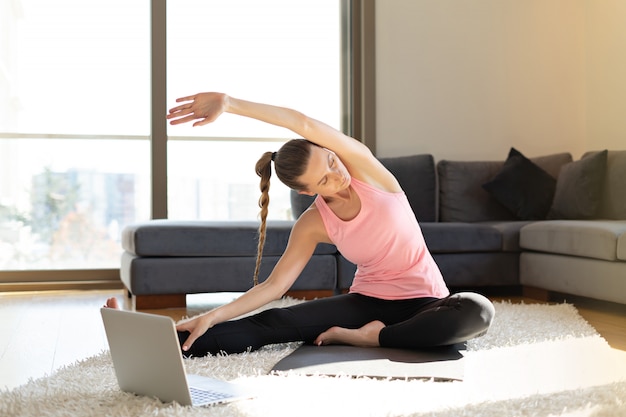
(290,163)
(263,170)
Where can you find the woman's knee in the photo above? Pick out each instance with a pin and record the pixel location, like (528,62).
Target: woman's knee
(478,306)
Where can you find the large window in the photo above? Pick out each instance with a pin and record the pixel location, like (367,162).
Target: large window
(74,127)
(75,115)
(282,52)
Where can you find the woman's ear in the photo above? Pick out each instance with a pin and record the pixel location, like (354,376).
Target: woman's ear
(310,194)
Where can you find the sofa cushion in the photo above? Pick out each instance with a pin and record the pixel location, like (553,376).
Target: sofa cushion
(455,237)
(585,238)
(523,187)
(461,196)
(175,275)
(621,247)
(579,188)
(459,270)
(468,270)
(207,238)
(614,200)
(510,231)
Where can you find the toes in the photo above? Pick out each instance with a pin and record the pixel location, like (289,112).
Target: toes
(112,303)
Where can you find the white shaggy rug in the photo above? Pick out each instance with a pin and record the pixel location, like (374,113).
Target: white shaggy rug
(536,360)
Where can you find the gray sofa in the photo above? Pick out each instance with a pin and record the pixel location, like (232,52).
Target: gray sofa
(582,257)
(468,221)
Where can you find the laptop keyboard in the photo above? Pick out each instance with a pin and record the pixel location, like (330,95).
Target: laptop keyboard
(200,396)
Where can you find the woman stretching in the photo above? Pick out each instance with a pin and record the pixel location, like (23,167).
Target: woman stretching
(398,297)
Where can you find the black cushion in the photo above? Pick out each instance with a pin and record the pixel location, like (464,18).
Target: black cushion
(579,188)
(522,187)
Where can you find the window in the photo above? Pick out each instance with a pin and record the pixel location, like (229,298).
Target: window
(74,129)
(75,115)
(274,51)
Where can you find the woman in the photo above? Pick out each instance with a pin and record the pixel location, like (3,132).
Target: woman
(398,297)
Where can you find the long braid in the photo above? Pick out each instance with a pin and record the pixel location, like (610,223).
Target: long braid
(290,163)
(263,170)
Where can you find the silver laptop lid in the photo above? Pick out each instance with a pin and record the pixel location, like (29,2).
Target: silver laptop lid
(146,355)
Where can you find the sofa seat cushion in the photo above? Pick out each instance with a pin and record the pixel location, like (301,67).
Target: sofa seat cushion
(173,238)
(598,239)
(178,275)
(466,270)
(621,247)
(461,237)
(510,231)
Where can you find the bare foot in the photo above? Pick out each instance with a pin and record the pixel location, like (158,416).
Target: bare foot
(112,303)
(366,336)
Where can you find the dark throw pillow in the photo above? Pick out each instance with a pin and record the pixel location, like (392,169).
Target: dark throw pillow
(522,187)
(579,188)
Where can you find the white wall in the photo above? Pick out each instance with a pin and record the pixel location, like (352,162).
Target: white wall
(606,74)
(468,79)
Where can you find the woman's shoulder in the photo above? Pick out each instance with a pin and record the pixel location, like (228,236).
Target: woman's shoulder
(372,172)
(310,225)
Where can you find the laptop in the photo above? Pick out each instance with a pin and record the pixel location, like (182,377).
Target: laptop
(148,361)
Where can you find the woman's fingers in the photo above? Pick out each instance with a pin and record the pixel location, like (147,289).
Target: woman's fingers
(202,107)
(185,108)
(180,119)
(195,327)
(190,340)
(188,98)
(186,326)
(180,111)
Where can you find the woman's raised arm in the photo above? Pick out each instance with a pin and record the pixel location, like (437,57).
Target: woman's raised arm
(204,108)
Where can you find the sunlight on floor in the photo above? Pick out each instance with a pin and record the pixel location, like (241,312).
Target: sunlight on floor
(544,368)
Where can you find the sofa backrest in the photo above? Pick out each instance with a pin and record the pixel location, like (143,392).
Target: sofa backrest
(299,203)
(417,177)
(613,204)
(462,197)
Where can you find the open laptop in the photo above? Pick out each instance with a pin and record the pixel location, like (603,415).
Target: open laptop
(147,360)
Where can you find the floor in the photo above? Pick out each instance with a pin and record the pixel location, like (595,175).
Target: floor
(43,331)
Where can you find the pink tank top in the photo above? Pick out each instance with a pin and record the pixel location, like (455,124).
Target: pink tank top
(386,243)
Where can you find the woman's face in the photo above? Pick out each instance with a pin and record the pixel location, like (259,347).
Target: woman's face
(325,174)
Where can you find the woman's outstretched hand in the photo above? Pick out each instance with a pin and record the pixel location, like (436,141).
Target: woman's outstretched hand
(202,107)
(196,327)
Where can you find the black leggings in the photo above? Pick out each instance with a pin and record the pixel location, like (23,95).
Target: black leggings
(410,324)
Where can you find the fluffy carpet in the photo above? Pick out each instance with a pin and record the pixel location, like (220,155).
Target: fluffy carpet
(536,360)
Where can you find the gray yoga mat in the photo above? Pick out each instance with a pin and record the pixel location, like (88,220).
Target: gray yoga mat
(442,363)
